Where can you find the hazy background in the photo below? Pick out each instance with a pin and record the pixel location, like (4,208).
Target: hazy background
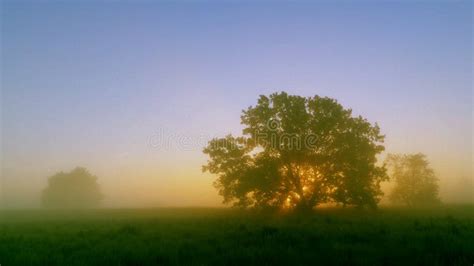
(133,91)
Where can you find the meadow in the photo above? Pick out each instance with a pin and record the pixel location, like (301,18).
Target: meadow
(206,236)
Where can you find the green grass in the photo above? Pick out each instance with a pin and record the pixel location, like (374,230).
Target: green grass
(228,237)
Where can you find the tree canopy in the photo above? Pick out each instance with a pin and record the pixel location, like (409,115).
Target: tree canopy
(415,182)
(75,189)
(297,152)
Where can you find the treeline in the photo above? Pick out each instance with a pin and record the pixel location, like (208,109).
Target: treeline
(295,153)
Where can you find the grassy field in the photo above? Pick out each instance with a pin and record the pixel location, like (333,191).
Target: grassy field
(229,237)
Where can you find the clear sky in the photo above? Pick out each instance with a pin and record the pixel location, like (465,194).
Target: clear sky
(99,84)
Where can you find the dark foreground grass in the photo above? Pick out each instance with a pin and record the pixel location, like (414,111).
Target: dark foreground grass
(228,237)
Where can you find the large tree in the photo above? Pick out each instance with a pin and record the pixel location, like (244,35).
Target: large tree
(296,153)
(415,182)
(75,189)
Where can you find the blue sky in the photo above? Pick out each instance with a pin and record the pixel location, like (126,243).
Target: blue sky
(89,82)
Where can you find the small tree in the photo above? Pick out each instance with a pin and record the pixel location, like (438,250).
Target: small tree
(76,189)
(415,182)
(296,153)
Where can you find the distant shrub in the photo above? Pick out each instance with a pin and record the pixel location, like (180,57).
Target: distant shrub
(75,189)
(415,182)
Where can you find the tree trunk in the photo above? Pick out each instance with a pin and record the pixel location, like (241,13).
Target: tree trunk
(303,208)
